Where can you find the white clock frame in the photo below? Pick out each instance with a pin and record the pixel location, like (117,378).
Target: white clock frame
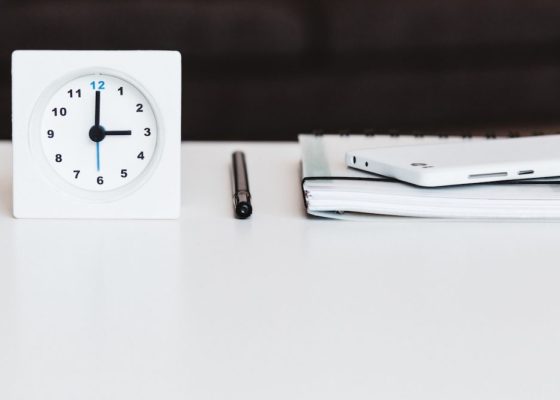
(38,192)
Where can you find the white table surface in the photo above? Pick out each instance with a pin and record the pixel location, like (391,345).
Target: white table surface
(280,306)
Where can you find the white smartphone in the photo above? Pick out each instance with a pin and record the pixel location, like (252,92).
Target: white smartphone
(465,162)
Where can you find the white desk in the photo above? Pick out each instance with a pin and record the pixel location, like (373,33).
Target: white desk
(276,307)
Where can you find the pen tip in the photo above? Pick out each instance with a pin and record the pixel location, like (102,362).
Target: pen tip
(244,210)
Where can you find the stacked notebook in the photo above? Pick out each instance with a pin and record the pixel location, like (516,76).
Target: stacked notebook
(335,191)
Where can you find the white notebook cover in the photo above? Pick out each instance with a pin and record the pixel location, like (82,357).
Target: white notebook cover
(333,190)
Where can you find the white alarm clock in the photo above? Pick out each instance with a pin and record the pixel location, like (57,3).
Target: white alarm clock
(96,134)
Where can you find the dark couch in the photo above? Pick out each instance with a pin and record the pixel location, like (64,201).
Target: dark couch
(257,69)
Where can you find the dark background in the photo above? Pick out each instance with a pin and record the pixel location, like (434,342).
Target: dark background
(256,69)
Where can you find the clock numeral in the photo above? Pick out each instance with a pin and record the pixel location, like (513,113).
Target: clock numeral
(100,180)
(77,92)
(139,108)
(50,133)
(124,173)
(121,90)
(59,111)
(141,155)
(76,173)
(99,85)
(58,158)
(147,131)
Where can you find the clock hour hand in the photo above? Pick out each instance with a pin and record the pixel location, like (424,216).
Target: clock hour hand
(118,133)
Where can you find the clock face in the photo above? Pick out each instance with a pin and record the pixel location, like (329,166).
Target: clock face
(98,132)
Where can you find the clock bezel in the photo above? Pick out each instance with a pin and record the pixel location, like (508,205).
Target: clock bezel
(47,170)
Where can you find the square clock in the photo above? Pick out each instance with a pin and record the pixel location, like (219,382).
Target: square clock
(96,134)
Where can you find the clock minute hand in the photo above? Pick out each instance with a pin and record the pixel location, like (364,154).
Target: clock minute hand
(97,106)
(118,133)
(96,132)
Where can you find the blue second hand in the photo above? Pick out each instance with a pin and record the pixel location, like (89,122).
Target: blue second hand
(97,148)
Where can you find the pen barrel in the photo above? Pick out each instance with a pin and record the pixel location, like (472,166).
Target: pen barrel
(240,179)
(242,197)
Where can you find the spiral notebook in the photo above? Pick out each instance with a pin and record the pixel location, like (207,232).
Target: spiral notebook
(332,190)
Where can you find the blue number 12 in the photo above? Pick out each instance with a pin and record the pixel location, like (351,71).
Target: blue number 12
(100,85)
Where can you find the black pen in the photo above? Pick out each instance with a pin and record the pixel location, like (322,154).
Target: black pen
(241,195)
